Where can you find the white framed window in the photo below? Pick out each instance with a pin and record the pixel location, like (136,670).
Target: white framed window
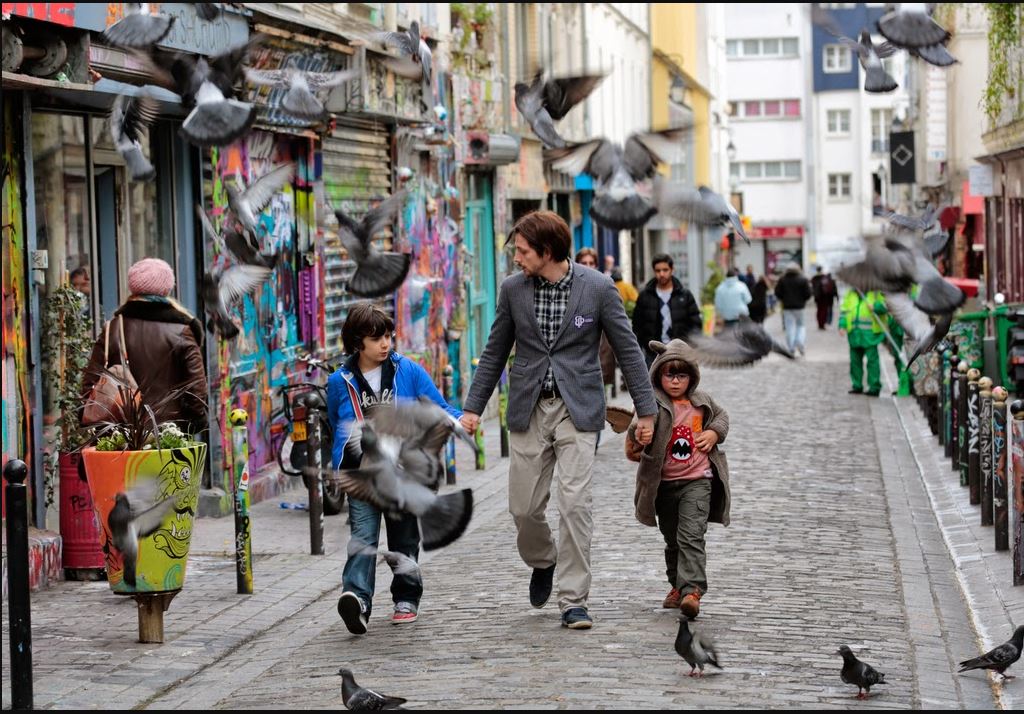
(773,169)
(734,169)
(838,5)
(766,170)
(763,47)
(791,169)
(732,48)
(836,59)
(767,109)
(839,186)
(838,121)
(881,125)
(790,47)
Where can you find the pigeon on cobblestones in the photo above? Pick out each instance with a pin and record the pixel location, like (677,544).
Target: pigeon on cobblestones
(999,659)
(135,516)
(696,648)
(860,673)
(356,697)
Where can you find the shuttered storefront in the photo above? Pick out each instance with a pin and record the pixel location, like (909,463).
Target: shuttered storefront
(356,174)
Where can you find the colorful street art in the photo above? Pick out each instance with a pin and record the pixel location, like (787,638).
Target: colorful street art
(263,357)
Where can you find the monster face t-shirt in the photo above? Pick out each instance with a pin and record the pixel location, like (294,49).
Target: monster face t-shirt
(683,460)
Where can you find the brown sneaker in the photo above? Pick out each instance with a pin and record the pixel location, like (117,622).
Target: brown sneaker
(672,599)
(690,606)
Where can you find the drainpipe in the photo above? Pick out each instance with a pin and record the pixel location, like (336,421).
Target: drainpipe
(809,116)
(507,62)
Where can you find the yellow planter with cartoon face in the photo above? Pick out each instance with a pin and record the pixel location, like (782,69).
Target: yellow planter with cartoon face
(146,503)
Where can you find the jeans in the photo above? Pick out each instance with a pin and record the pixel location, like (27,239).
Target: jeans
(361,570)
(796,333)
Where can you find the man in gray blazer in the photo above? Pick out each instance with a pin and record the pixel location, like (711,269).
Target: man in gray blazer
(554,313)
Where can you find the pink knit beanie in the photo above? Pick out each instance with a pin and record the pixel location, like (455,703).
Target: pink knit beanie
(151,276)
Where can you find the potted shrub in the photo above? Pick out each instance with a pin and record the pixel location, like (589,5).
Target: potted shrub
(707,297)
(67,340)
(139,469)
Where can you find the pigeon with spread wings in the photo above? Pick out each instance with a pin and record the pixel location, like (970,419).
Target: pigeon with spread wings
(545,100)
(377,272)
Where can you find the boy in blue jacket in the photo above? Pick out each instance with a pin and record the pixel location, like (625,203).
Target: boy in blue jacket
(374,374)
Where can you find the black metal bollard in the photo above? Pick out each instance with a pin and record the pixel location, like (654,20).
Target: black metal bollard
(1000,472)
(985,448)
(314,472)
(1017,473)
(15,472)
(960,464)
(973,435)
(944,402)
(954,415)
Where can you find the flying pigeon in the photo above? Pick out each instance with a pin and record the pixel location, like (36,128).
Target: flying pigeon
(206,85)
(236,246)
(999,659)
(301,100)
(139,28)
(916,324)
(392,473)
(696,648)
(740,345)
(417,60)
(936,55)
(222,287)
(894,264)
(356,697)
(870,55)
(696,205)
(128,117)
(856,672)
(910,26)
(133,517)
(209,11)
(544,101)
(377,272)
(920,223)
(935,243)
(247,204)
(617,170)
(400,563)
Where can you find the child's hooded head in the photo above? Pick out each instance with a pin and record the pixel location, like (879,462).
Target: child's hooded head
(676,358)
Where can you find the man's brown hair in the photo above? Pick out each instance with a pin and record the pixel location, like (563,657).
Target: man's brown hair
(545,231)
(364,320)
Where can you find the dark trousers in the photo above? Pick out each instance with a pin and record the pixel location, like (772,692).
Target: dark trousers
(823,314)
(682,508)
(361,570)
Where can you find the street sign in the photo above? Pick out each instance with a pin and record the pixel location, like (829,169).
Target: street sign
(901,157)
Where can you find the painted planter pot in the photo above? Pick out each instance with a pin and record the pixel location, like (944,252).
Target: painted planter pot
(146,502)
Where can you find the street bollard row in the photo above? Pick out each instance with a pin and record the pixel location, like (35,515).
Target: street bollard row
(987,450)
(18,606)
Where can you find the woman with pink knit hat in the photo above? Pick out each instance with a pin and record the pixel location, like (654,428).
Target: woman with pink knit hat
(163,344)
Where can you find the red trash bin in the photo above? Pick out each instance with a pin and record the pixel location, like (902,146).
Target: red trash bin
(81,535)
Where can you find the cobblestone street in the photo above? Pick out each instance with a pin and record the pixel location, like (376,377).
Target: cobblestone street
(832,542)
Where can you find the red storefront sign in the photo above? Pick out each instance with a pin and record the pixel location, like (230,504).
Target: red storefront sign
(59,13)
(770,232)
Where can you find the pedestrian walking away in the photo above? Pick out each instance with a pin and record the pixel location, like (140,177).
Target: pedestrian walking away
(825,296)
(554,312)
(683,478)
(732,298)
(374,374)
(793,291)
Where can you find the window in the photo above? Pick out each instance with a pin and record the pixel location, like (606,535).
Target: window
(838,121)
(790,47)
(839,185)
(770,47)
(751,109)
(732,48)
(881,125)
(767,47)
(772,108)
(756,109)
(791,107)
(767,170)
(752,169)
(836,59)
(838,5)
(751,48)
(791,169)
(734,169)
(773,169)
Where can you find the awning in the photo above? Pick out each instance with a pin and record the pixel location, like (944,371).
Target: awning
(968,285)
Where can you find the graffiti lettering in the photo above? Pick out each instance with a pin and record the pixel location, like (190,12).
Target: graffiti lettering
(79,504)
(972,423)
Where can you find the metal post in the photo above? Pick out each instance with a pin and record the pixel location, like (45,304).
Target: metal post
(240,482)
(1017,450)
(1000,473)
(503,411)
(448,383)
(973,452)
(481,459)
(314,474)
(19,608)
(954,414)
(985,448)
(944,402)
(961,423)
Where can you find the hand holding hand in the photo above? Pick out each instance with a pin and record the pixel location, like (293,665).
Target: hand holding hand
(470,422)
(706,439)
(645,430)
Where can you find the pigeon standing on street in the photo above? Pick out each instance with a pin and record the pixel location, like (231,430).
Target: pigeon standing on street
(128,117)
(545,101)
(131,518)
(696,648)
(860,673)
(377,272)
(1000,658)
(247,204)
(618,170)
(301,100)
(139,28)
(355,697)
(910,26)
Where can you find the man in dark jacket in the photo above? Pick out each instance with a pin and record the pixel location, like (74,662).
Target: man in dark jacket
(665,310)
(794,290)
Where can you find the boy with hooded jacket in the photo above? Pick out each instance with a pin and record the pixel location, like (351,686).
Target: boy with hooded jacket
(682,481)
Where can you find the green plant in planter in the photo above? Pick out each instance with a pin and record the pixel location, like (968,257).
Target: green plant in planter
(707,293)
(66,343)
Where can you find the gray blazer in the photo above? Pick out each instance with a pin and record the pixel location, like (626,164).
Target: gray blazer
(595,306)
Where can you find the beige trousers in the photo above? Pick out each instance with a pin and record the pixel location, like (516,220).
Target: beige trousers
(550,446)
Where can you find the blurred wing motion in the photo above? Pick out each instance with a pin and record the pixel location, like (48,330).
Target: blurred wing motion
(696,205)
(739,346)
(139,28)
(128,118)
(916,324)
(377,272)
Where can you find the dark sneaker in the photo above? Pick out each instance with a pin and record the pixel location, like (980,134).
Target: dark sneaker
(871,394)
(353,613)
(671,601)
(576,618)
(690,606)
(540,585)
(856,391)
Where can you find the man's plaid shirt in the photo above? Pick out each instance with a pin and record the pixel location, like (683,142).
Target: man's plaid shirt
(549,303)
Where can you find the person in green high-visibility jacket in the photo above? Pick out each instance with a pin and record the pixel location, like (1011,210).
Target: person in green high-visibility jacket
(861,321)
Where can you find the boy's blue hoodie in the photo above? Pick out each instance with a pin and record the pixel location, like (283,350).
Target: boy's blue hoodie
(344,406)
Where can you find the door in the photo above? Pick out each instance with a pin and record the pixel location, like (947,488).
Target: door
(481,292)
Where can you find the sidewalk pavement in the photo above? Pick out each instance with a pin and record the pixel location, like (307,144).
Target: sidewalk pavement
(835,539)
